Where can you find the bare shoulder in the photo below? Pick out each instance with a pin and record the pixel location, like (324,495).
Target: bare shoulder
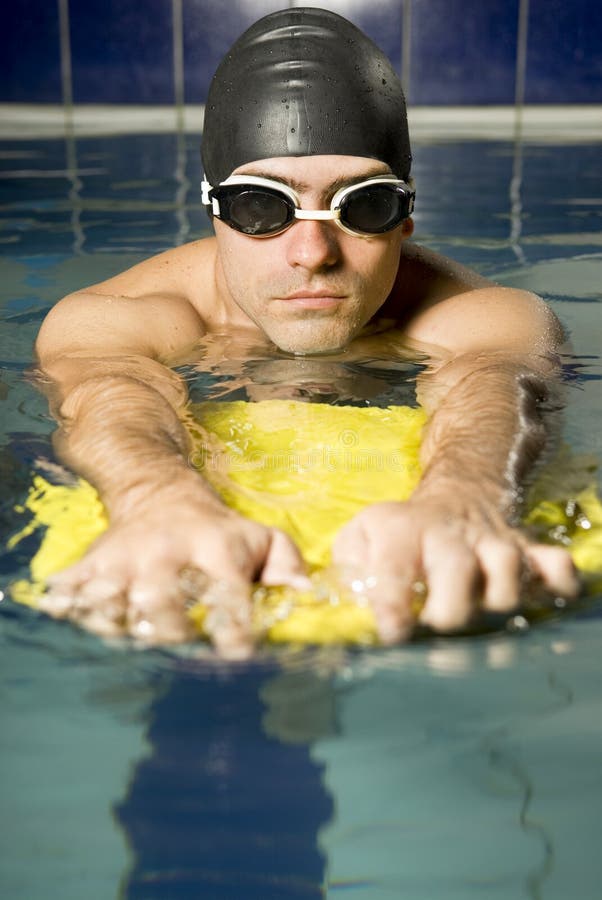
(175,272)
(150,309)
(434,275)
(460,311)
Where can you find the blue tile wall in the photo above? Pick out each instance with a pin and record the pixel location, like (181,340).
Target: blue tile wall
(461,51)
(30,61)
(121,51)
(564,63)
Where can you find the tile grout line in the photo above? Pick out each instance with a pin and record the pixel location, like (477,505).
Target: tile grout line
(69,125)
(516,203)
(521,53)
(406,46)
(178,56)
(65,54)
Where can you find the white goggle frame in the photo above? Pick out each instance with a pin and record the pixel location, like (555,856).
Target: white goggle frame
(319,215)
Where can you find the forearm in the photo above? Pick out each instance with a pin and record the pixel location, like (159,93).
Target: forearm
(487,432)
(125,436)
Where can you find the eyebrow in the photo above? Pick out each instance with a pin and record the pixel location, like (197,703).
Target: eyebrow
(302,186)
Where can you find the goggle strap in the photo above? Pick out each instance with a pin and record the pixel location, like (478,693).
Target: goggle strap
(205,188)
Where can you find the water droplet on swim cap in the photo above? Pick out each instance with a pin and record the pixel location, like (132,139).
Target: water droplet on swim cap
(278,63)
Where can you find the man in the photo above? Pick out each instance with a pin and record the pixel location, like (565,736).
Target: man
(307,176)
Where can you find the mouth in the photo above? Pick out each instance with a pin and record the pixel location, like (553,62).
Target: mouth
(313,299)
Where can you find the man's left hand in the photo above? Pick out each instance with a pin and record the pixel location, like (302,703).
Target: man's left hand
(443,561)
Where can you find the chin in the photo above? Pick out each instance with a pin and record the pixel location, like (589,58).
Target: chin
(310,348)
(307,340)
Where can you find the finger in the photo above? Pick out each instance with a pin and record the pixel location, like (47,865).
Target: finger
(98,622)
(100,606)
(70,578)
(156,611)
(228,622)
(351,546)
(392,599)
(555,568)
(58,602)
(232,643)
(233,562)
(284,563)
(502,565)
(62,590)
(454,586)
(389,576)
(102,592)
(97,605)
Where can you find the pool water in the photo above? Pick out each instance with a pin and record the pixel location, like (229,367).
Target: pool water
(449,768)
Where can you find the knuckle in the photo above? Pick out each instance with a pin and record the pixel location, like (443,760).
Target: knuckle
(564,562)
(507,553)
(502,601)
(460,559)
(448,620)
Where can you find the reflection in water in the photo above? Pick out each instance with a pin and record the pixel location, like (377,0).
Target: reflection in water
(366,773)
(229,367)
(449,769)
(218,808)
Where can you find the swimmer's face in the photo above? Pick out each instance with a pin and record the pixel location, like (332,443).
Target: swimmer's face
(312,288)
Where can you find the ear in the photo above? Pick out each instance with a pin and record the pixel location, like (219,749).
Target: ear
(407,228)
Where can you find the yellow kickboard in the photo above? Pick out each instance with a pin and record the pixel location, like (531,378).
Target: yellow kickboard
(307,469)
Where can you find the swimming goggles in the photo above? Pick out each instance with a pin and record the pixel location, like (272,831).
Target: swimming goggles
(261,207)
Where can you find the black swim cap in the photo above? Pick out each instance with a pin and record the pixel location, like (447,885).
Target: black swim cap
(304,82)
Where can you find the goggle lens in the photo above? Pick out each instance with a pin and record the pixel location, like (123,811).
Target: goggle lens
(375,209)
(256,210)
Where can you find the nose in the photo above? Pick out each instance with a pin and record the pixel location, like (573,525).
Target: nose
(312,245)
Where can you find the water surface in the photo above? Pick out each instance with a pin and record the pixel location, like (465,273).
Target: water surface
(444,769)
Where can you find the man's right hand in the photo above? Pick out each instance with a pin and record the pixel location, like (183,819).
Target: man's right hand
(155,560)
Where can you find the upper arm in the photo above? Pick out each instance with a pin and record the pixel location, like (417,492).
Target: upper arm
(88,336)
(486,330)
(447,306)
(489,319)
(133,325)
(147,310)
(93,323)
